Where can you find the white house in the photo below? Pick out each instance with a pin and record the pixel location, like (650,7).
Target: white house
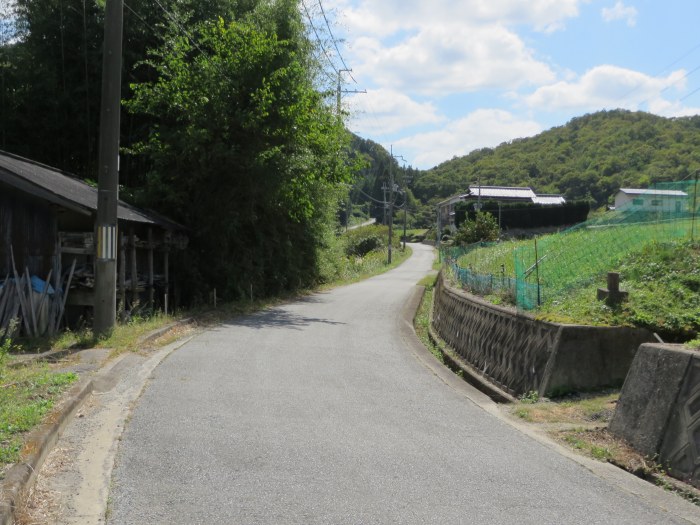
(633,199)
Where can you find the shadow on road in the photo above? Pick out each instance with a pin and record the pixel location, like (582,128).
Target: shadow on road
(277,318)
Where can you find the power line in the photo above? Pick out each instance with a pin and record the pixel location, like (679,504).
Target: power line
(143,21)
(335,43)
(318,38)
(690,94)
(666,68)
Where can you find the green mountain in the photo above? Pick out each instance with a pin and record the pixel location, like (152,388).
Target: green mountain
(591,157)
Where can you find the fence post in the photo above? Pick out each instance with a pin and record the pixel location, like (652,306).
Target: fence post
(695,210)
(537,273)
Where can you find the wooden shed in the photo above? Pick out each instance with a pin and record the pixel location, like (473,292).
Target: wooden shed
(47,249)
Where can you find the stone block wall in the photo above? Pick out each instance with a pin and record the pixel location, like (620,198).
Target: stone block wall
(520,354)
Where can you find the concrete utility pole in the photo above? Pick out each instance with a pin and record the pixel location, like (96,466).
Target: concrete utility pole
(338,102)
(105,309)
(391,199)
(340,90)
(391,202)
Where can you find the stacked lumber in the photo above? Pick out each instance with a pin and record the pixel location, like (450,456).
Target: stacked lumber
(31,305)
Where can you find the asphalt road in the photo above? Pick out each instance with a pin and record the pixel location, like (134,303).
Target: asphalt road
(321,411)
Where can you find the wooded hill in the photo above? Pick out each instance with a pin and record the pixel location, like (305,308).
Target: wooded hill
(591,157)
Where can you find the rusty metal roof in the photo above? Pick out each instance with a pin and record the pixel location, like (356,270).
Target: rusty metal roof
(65,190)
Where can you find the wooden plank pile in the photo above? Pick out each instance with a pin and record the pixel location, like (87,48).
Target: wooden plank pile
(32,306)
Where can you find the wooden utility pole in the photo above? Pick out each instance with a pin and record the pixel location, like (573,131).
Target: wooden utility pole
(105,309)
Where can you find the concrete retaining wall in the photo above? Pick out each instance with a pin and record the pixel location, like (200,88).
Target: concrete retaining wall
(520,354)
(659,408)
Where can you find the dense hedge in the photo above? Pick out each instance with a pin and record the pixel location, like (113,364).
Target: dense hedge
(527,215)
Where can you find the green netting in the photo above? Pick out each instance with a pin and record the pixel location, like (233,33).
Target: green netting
(547,267)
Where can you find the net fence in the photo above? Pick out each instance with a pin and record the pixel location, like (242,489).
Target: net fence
(530,272)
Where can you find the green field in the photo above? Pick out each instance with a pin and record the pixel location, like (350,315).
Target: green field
(557,275)
(571,258)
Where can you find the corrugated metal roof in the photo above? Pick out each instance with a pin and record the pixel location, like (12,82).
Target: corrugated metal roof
(56,186)
(649,191)
(501,192)
(548,199)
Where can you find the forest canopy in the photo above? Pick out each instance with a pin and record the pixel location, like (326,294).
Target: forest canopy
(590,157)
(225,127)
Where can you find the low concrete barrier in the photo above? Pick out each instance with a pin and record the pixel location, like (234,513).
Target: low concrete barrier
(659,409)
(520,354)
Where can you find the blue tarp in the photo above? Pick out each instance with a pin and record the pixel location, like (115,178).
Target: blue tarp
(38,285)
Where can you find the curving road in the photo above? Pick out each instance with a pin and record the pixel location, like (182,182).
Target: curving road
(326,411)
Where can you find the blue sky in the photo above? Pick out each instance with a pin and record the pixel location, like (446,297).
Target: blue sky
(445,77)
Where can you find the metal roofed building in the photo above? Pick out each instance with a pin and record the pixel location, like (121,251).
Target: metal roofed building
(499,194)
(651,200)
(47,222)
(549,200)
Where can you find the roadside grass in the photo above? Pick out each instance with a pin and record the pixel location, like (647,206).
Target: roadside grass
(573,409)
(374,263)
(27,394)
(421,322)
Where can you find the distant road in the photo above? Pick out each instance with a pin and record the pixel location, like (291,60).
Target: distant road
(366,223)
(325,411)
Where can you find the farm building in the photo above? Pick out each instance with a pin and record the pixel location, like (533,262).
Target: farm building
(493,194)
(47,249)
(651,200)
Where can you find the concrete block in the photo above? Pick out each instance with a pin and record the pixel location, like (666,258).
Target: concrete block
(649,396)
(589,357)
(680,450)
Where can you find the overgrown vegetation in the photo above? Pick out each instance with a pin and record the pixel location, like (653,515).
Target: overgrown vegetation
(359,253)
(663,281)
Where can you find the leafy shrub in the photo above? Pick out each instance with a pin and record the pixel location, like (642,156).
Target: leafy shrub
(484,228)
(362,241)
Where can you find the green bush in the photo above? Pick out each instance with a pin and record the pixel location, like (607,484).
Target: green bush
(362,241)
(484,228)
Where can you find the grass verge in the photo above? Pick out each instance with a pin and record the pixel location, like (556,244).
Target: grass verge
(421,322)
(27,394)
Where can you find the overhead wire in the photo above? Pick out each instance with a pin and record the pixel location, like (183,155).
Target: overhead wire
(318,37)
(666,68)
(335,43)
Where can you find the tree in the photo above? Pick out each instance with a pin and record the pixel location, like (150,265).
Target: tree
(484,228)
(244,152)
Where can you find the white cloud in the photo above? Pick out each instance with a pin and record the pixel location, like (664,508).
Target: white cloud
(604,87)
(620,12)
(370,17)
(442,59)
(480,129)
(665,108)
(385,111)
